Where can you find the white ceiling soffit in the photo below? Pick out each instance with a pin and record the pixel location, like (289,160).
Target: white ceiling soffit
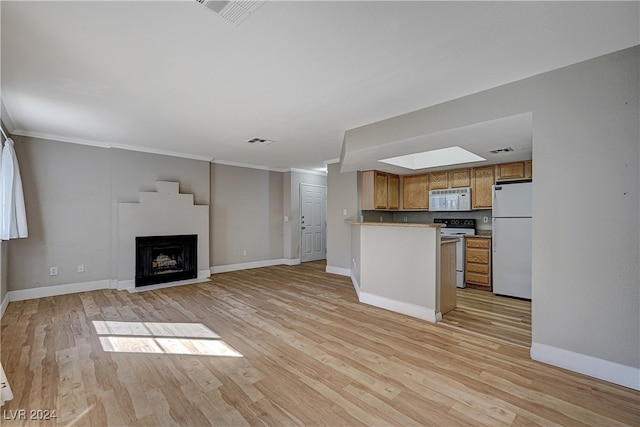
(173,76)
(515,132)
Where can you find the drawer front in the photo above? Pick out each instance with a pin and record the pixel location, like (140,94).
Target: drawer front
(482,279)
(478,268)
(478,255)
(478,243)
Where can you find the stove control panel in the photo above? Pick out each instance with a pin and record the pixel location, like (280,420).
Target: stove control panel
(456,222)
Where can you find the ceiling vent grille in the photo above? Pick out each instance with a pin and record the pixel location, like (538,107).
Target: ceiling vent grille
(235,11)
(501,150)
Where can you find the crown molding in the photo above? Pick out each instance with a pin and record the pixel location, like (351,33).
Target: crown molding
(100,144)
(247,165)
(266,168)
(149,150)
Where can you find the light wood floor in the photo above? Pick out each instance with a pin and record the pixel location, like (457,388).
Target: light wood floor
(310,355)
(499,317)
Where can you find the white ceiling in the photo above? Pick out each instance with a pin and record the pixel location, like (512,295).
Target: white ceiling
(175,77)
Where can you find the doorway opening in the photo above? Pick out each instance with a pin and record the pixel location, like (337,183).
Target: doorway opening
(313,222)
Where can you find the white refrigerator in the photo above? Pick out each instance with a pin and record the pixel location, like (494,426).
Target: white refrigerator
(511,239)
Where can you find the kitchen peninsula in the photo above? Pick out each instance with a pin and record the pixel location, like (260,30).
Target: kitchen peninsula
(397,266)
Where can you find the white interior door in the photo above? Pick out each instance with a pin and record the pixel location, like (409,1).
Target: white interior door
(313,222)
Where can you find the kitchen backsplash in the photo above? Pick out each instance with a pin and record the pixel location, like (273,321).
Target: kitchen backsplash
(424,217)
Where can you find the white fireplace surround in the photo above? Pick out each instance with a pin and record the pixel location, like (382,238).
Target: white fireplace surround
(164,212)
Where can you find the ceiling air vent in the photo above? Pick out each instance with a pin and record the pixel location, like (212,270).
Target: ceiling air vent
(501,150)
(260,141)
(233,11)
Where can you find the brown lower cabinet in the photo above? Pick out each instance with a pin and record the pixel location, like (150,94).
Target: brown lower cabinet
(478,263)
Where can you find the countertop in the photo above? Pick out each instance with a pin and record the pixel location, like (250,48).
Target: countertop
(395,224)
(483,234)
(444,240)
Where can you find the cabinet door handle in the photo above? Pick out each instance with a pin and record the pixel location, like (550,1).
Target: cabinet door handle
(304,228)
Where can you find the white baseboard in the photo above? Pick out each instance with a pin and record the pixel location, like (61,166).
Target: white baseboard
(409,309)
(126,285)
(338,270)
(136,289)
(5,304)
(204,274)
(616,373)
(50,291)
(130,285)
(255,264)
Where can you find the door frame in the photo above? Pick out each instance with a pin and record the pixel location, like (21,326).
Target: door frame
(300,218)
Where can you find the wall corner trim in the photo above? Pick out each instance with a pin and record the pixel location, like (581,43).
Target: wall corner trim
(338,270)
(616,373)
(356,285)
(409,309)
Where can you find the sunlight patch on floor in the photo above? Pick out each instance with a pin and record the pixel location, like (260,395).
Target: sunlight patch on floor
(162,338)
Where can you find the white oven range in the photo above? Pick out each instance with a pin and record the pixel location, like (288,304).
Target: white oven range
(459,228)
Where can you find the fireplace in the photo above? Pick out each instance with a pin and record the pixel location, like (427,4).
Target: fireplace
(161,259)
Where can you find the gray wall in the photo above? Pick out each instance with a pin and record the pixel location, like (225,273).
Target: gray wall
(67,193)
(4,254)
(341,188)
(246,214)
(71,195)
(586,218)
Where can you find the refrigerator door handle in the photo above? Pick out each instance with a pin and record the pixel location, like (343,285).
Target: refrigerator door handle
(493,235)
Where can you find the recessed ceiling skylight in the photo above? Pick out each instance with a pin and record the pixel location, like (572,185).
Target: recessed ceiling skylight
(434,158)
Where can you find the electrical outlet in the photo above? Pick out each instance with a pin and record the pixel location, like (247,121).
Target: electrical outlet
(80,268)
(53,271)
(405,219)
(244,253)
(485,219)
(380,218)
(286,218)
(344,212)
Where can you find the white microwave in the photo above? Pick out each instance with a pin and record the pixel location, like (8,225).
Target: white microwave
(455,199)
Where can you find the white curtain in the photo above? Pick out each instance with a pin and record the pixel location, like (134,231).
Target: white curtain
(5,389)
(13,216)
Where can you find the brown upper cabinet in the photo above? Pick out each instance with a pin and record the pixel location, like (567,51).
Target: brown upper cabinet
(481,192)
(439,180)
(509,171)
(415,192)
(528,169)
(393,192)
(460,178)
(380,190)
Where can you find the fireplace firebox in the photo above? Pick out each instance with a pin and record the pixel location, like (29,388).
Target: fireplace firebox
(161,259)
